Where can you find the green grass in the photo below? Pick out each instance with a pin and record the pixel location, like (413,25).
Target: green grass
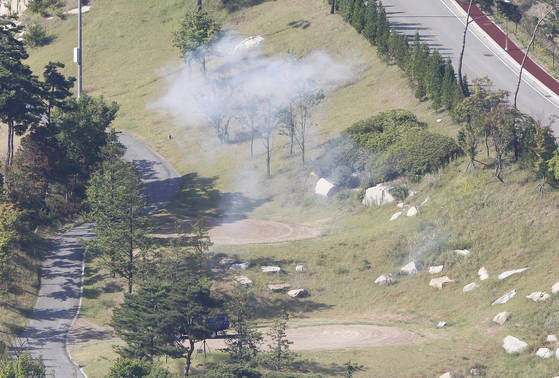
(505,226)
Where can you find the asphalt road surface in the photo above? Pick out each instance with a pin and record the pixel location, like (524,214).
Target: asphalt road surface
(61,276)
(437,24)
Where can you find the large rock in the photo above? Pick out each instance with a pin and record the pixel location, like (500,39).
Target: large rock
(324,188)
(440,282)
(278,287)
(411,268)
(509,273)
(385,279)
(378,195)
(512,345)
(226,261)
(462,252)
(298,293)
(396,215)
(271,269)
(483,274)
(544,353)
(551,339)
(244,281)
(412,211)
(242,266)
(436,269)
(448,374)
(538,296)
(299,268)
(555,288)
(505,298)
(501,317)
(470,287)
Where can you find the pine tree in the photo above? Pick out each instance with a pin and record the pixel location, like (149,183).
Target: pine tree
(57,88)
(447,90)
(370,22)
(358,18)
(434,84)
(348,11)
(383,31)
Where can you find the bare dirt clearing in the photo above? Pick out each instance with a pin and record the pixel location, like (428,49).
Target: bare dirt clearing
(252,231)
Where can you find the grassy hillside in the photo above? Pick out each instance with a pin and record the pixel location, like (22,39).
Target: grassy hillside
(127,46)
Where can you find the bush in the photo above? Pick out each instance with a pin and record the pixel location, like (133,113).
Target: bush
(134,368)
(44,7)
(36,36)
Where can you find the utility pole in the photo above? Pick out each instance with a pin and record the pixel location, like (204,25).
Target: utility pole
(78,51)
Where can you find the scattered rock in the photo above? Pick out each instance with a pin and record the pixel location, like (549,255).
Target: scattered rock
(413,211)
(244,281)
(85,9)
(396,216)
(439,120)
(557,353)
(400,205)
(436,269)
(300,268)
(505,298)
(226,261)
(324,188)
(298,293)
(483,274)
(448,374)
(555,288)
(440,282)
(378,195)
(509,273)
(279,287)
(425,201)
(477,372)
(412,268)
(412,193)
(501,317)
(384,280)
(271,269)
(551,338)
(538,296)
(470,287)
(513,345)
(544,353)
(462,252)
(441,324)
(217,270)
(242,266)
(249,43)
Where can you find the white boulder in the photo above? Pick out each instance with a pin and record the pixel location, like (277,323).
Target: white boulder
(441,324)
(505,298)
(244,281)
(385,279)
(555,288)
(324,188)
(242,266)
(248,43)
(271,269)
(538,296)
(509,273)
(378,195)
(557,353)
(298,293)
(440,282)
(226,261)
(462,252)
(470,287)
(300,268)
(436,269)
(551,338)
(483,274)
(544,353)
(448,374)
(396,215)
(512,345)
(501,317)
(412,268)
(400,205)
(412,211)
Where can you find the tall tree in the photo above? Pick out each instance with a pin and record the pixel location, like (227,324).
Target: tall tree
(57,88)
(244,345)
(279,354)
(502,122)
(370,27)
(544,146)
(20,90)
(194,36)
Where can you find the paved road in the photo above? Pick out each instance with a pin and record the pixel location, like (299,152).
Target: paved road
(436,22)
(61,277)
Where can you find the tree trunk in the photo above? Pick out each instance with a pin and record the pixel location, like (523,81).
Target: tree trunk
(486,142)
(130,253)
(251,145)
(10,136)
(526,54)
(199,6)
(188,358)
(460,77)
(303,150)
(333,9)
(268,169)
(204,65)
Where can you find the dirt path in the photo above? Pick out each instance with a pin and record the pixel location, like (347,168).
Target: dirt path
(252,231)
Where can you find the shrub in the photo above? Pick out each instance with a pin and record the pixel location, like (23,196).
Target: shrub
(44,7)
(36,36)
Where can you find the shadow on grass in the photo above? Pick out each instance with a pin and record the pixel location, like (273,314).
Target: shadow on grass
(236,5)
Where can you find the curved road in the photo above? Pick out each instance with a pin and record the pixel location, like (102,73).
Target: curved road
(441,24)
(59,296)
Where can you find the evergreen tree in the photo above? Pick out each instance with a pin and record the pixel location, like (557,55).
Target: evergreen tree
(370,22)
(447,90)
(245,345)
(434,84)
(56,87)
(358,18)
(348,10)
(280,357)
(383,31)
